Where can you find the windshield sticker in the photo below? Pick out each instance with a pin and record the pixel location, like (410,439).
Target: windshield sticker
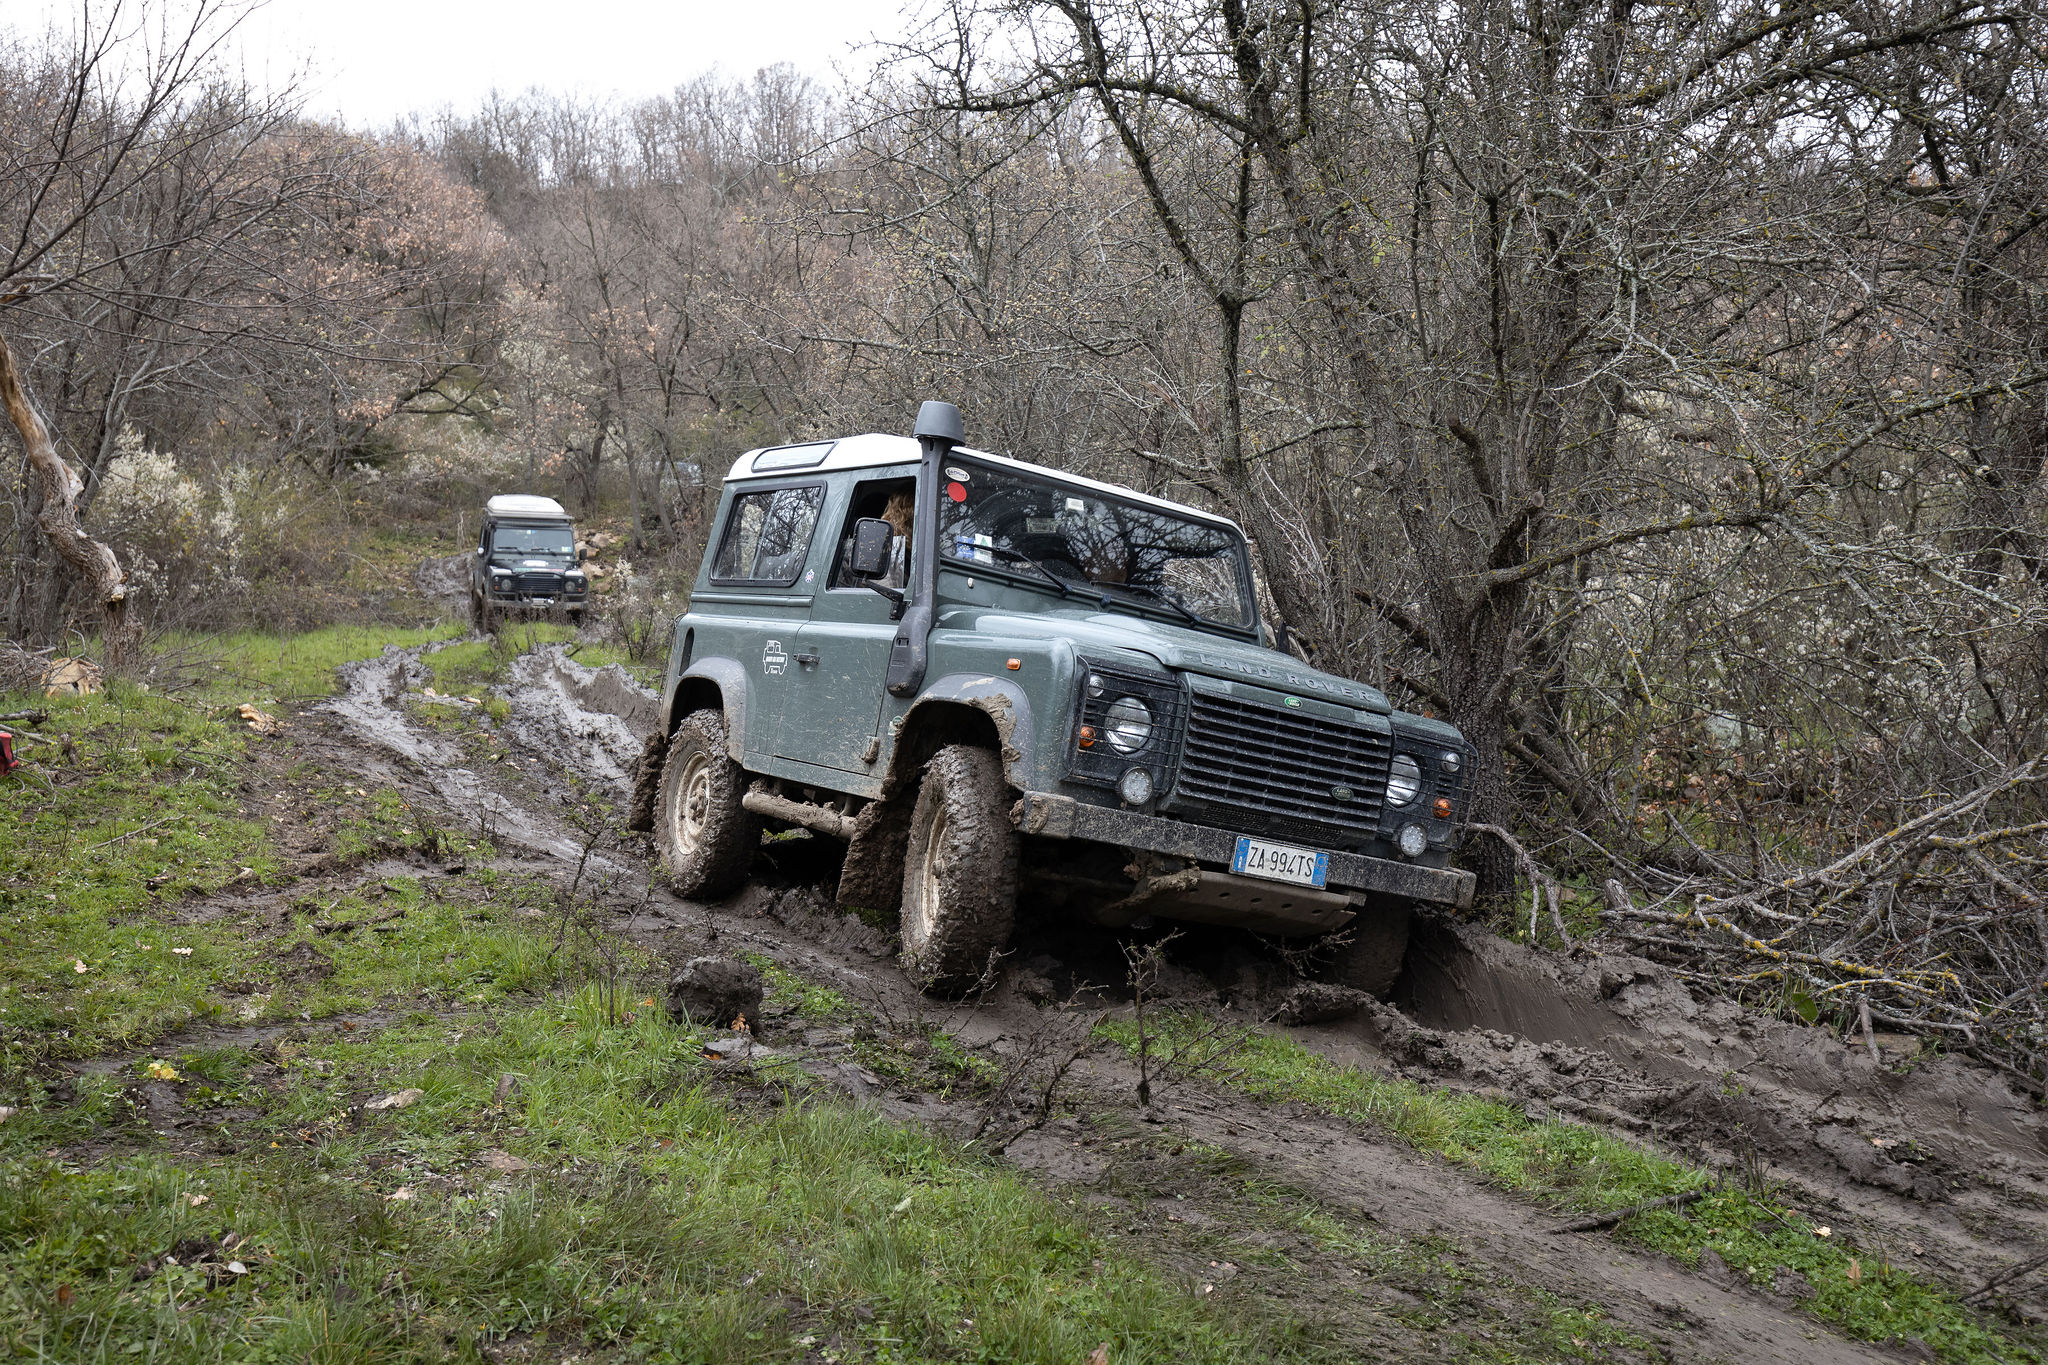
(1076,505)
(957,492)
(773,660)
(1041,526)
(957,474)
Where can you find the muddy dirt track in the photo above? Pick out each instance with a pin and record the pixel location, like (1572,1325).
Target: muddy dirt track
(1935,1160)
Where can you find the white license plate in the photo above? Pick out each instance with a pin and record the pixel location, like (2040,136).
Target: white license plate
(1280,862)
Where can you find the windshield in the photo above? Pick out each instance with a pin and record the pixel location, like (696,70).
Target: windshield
(533,540)
(1041,529)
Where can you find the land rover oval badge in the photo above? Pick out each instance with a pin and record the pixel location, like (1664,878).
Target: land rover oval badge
(1294,701)
(1341,793)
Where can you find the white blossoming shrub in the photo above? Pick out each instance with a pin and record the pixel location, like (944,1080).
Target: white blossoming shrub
(192,538)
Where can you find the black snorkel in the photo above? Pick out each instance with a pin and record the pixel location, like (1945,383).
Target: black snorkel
(938,430)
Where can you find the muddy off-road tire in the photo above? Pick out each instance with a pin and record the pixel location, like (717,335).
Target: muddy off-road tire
(1371,960)
(707,840)
(959,871)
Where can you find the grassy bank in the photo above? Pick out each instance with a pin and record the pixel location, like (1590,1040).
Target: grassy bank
(1579,1170)
(686,1215)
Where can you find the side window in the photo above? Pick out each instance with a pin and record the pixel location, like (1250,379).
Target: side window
(890,500)
(767,535)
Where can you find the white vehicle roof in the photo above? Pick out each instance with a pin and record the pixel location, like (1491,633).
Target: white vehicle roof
(877,448)
(525,505)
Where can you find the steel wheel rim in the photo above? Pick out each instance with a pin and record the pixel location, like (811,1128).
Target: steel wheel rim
(693,804)
(922,916)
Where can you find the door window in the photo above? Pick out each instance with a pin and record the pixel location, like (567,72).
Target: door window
(890,500)
(768,535)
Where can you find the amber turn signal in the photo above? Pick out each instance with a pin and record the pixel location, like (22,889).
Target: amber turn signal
(1087,737)
(1014,664)
(1443,808)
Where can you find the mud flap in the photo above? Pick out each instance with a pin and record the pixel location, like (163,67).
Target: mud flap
(872,877)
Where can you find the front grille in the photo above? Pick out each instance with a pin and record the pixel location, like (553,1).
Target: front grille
(537,584)
(1268,761)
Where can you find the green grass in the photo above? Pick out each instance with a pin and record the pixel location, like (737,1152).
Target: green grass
(274,668)
(667,1216)
(1577,1169)
(93,848)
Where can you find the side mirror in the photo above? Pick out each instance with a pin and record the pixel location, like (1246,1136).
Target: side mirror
(871,544)
(581,554)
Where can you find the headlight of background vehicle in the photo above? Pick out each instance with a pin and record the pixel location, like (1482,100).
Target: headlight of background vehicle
(1128,723)
(1404,780)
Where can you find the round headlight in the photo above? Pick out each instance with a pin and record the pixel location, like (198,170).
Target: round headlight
(1404,780)
(1128,723)
(1451,759)
(1414,841)
(1136,787)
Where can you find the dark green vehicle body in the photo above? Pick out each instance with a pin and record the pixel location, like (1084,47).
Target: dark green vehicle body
(1243,740)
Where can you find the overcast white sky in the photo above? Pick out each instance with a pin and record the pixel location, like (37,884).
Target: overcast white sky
(369,61)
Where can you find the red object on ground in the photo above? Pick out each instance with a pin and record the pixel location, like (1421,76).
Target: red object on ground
(8,762)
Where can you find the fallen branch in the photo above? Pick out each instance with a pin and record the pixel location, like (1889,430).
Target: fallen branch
(140,829)
(1541,883)
(2007,1276)
(1608,1220)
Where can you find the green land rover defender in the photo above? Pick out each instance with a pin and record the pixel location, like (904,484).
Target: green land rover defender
(981,673)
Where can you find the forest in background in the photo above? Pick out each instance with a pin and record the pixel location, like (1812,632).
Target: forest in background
(1655,391)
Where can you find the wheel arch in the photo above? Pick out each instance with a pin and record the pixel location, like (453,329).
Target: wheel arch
(980,709)
(711,684)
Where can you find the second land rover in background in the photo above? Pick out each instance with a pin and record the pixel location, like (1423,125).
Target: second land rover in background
(974,669)
(526,560)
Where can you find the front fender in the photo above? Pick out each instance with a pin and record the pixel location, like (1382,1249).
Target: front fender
(730,677)
(1005,704)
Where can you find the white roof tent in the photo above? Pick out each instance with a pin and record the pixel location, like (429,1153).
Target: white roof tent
(525,505)
(876,449)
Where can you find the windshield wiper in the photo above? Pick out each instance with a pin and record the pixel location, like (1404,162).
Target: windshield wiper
(1065,588)
(1155,595)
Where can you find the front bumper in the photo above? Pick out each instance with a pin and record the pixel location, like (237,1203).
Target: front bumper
(1061,817)
(518,597)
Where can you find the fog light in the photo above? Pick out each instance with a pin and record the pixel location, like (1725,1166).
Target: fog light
(1442,808)
(1414,841)
(1136,788)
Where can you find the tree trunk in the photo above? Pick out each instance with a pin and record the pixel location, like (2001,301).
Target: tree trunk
(60,488)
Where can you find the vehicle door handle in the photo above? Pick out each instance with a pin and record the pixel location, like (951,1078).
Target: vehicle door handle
(807,660)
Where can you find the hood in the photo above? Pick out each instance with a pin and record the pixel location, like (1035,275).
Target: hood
(1171,646)
(519,559)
